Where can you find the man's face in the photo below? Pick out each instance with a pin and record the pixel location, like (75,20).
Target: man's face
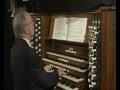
(29,25)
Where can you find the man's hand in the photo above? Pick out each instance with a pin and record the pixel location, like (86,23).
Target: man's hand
(48,68)
(61,71)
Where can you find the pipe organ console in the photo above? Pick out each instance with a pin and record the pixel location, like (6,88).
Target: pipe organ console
(81,60)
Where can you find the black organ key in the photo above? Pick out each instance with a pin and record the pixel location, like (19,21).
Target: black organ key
(72,86)
(63,82)
(67,84)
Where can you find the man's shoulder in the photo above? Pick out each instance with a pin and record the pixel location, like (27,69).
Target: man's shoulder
(19,46)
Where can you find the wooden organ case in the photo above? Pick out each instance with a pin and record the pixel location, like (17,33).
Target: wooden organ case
(85,62)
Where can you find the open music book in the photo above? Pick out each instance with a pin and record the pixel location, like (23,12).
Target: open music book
(70,29)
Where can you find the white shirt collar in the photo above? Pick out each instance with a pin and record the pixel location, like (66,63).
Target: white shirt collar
(28,41)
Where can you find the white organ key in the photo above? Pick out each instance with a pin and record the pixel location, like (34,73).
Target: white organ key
(91,48)
(71,51)
(39,50)
(31,42)
(39,37)
(66,87)
(36,30)
(92,70)
(93,67)
(91,55)
(39,32)
(94,27)
(93,83)
(60,59)
(91,63)
(90,86)
(72,78)
(90,27)
(67,57)
(65,65)
(89,80)
(59,67)
(60,78)
(37,18)
(39,22)
(39,45)
(93,58)
(98,22)
(94,50)
(93,75)
(36,35)
(96,33)
(35,25)
(36,40)
(94,41)
(92,78)
(36,47)
(39,27)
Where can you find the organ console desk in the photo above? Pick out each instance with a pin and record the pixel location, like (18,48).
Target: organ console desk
(90,64)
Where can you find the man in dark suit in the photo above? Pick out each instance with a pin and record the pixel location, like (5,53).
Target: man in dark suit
(27,68)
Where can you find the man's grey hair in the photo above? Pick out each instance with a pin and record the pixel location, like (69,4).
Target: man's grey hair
(19,22)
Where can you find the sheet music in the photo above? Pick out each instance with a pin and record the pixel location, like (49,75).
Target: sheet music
(60,28)
(76,29)
(71,29)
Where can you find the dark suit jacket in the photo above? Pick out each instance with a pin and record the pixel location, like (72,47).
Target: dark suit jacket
(27,69)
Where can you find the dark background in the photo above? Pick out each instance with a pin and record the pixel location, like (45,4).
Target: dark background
(41,6)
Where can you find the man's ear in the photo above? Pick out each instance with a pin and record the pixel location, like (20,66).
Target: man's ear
(26,30)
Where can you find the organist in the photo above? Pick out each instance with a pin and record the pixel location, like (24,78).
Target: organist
(27,68)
